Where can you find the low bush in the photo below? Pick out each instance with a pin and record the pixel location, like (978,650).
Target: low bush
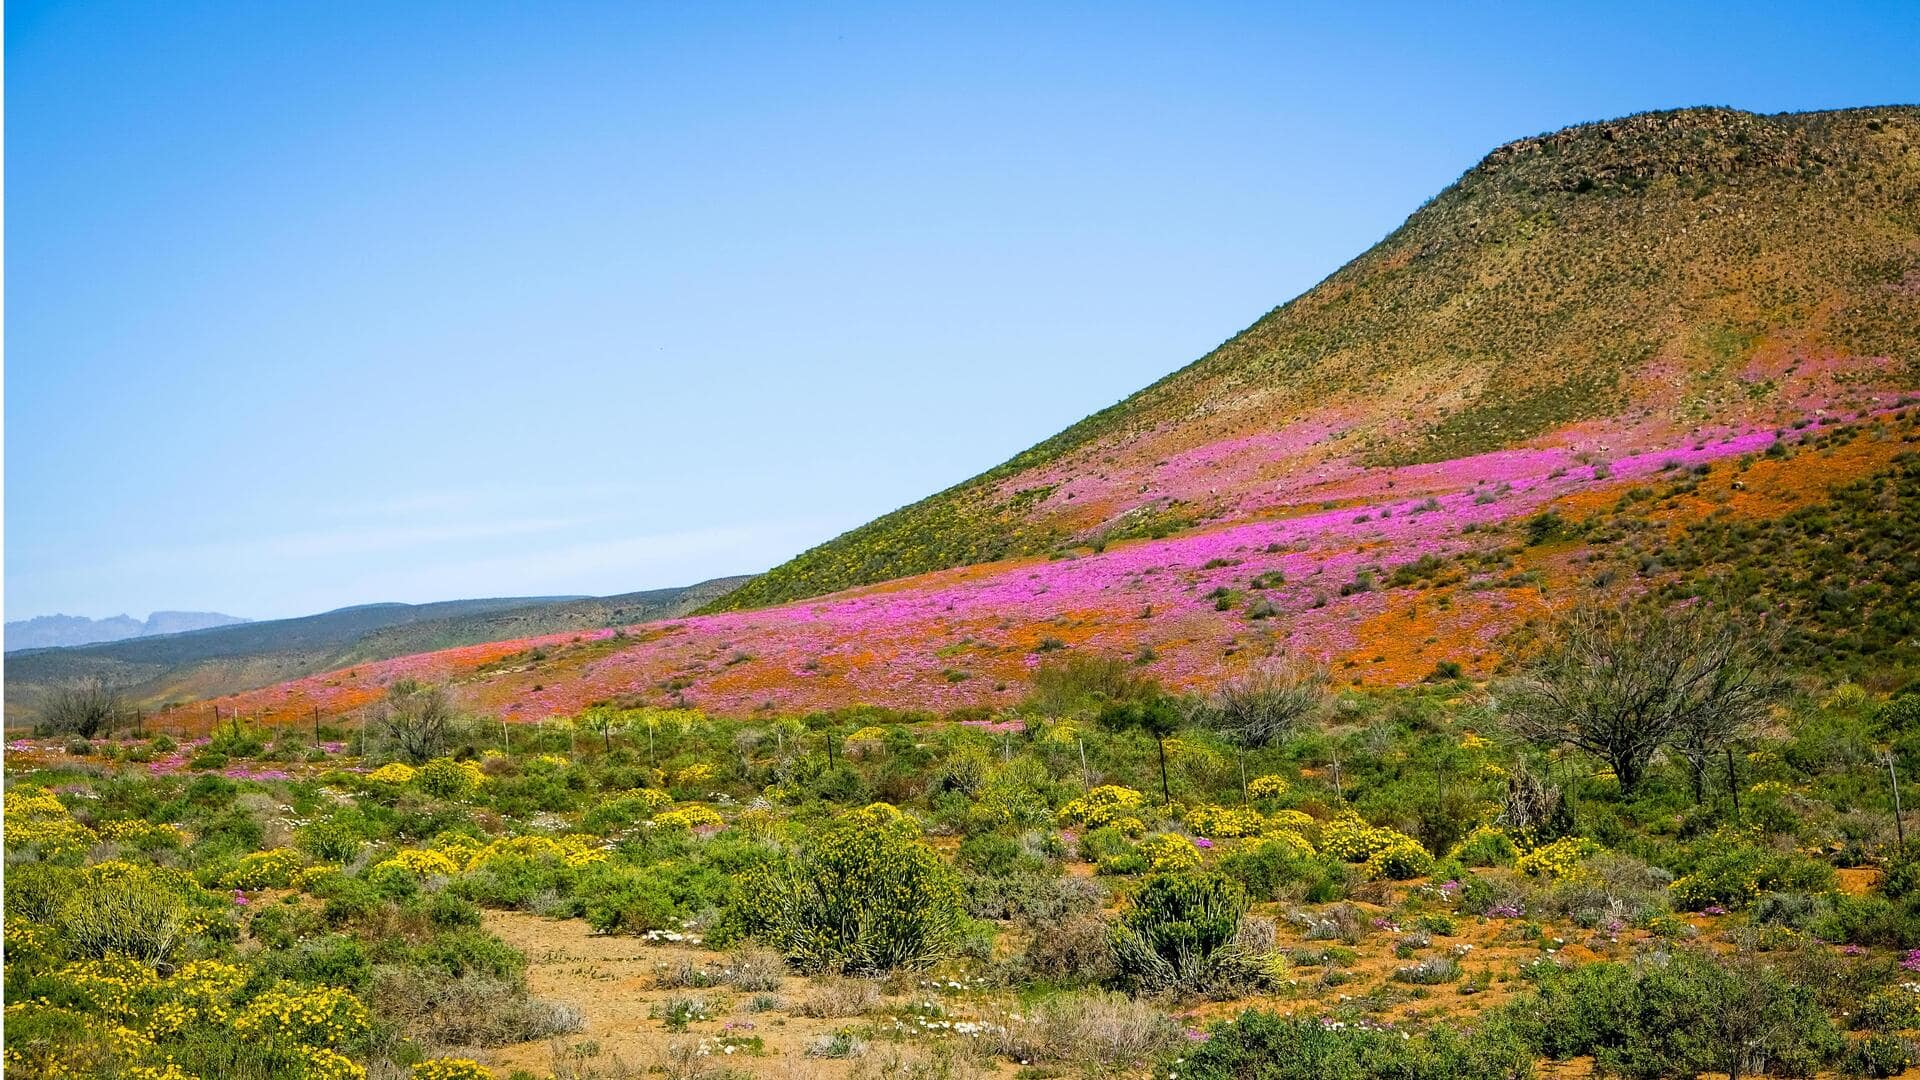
(1177,934)
(865,896)
(1259,1045)
(1680,1015)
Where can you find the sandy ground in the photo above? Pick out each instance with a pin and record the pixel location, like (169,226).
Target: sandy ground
(612,981)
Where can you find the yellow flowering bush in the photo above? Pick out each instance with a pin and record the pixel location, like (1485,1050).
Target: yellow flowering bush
(688,817)
(36,819)
(1202,755)
(1292,821)
(457,846)
(418,863)
(393,772)
(1169,853)
(867,738)
(270,869)
(1267,787)
(1295,843)
(58,1043)
(572,849)
(1061,733)
(546,763)
(143,835)
(117,986)
(449,779)
(697,773)
(320,1063)
(450,1069)
(310,1016)
(1558,859)
(1401,857)
(1227,822)
(1473,741)
(169,1071)
(1104,805)
(1351,838)
(305,879)
(654,799)
(32,802)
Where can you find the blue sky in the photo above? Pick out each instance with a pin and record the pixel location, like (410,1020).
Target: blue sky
(320,304)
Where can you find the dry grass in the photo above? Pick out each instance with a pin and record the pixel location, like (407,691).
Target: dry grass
(1096,1031)
(833,998)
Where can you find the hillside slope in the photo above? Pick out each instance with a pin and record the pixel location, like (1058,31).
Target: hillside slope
(1615,281)
(1661,353)
(152,671)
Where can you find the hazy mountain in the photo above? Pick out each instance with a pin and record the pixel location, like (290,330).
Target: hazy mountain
(54,631)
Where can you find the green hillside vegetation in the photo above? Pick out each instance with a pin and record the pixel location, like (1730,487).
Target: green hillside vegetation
(1524,297)
(1330,883)
(181,667)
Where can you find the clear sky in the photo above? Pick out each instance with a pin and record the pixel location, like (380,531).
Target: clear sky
(320,304)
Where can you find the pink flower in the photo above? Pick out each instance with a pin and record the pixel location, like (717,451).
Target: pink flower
(240,898)
(1911,961)
(1202,842)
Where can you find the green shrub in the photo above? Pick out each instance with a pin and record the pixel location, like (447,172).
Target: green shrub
(1259,1045)
(1730,872)
(126,909)
(627,899)
(1877,1056)
(514,880)
(1680,1015)
(471,951)
(1486,847)
(865,896)
(1177,933)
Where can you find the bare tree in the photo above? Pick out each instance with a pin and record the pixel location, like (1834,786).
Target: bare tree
(417,719)
(1267,702)
(84,707)
(1743,686)
(1620,683)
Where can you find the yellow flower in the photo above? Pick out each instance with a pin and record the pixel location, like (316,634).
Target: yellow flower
(688,817)
(1220,821)
(393,772)
(419,863)
(1561,858)
(1105,805)
(450,1069)
(1267,787)
(270,869)
(697,773)
(1167,853)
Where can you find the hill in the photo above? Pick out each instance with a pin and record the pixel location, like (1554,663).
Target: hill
(57,631)
(1613,283)
(153,671)
(1658,353)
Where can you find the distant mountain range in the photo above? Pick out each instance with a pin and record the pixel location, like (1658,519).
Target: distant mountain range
(56,631)
(153,671)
